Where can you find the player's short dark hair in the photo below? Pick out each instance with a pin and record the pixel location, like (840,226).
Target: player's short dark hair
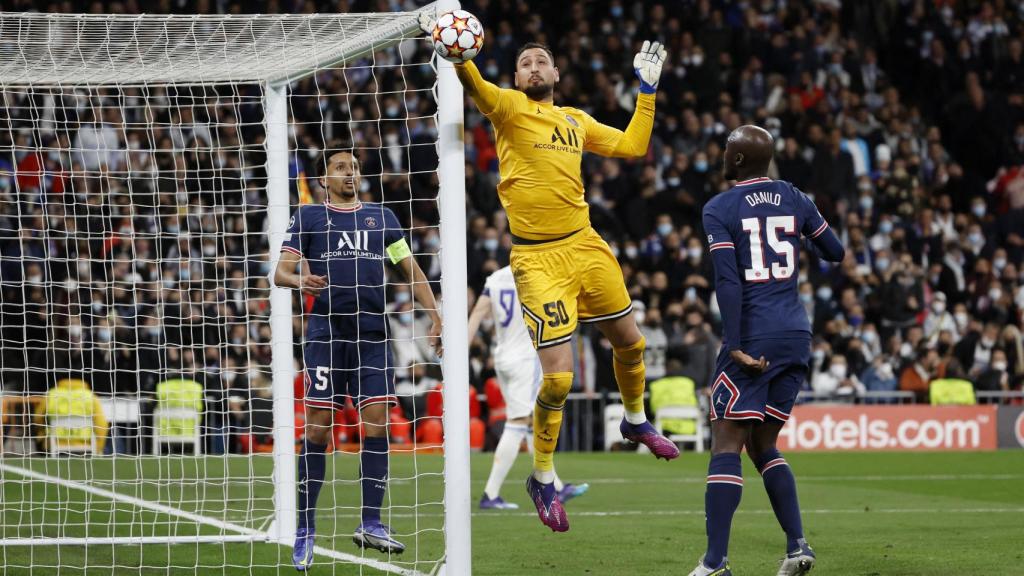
(325,156)
(530,45)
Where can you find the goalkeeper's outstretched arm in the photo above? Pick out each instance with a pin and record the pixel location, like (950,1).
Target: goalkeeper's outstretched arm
(608,141)
(485,94)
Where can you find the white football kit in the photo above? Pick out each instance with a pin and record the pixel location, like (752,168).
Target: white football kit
(515,360)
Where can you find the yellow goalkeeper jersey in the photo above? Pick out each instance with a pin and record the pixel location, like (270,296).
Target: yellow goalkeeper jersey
(540,147)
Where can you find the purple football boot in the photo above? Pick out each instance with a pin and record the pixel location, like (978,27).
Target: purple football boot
(647,435)
(496,503)
(549,507)
(570,491)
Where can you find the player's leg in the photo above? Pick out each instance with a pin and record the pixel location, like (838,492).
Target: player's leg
(722,494)
(374,391)
(605,302)
(556,362)
(778,478)
(628,362)
(505,454)
(737,402)
(548,285)
(319,414)
(519,382)
(521,394)
(780,484)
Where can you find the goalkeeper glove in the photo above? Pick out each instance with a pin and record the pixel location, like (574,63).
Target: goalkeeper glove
(647,65)
(427,23)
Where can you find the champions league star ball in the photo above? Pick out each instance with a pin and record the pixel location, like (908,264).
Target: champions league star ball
(458,36)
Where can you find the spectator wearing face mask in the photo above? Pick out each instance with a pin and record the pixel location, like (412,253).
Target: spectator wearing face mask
(939,319)
(879,376)
(833,378)
(996,377)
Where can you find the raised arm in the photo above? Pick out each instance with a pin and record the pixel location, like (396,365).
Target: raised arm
(485,94)
(608,141)
(493,102)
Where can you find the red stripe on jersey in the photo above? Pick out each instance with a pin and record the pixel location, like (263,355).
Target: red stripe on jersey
(754,181)
(776,413)
(820,229)
(343,209)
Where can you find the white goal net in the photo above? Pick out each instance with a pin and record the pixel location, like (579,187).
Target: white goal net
(152,376)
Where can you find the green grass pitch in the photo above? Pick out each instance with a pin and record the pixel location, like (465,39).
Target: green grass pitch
(865,514)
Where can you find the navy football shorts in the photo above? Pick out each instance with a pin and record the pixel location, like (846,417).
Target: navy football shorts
(738,396)
(362,371)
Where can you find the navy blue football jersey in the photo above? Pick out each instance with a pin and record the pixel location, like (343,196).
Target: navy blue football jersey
(350,248)
(760,222)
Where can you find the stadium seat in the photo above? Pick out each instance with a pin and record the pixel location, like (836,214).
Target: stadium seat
(178,414)
(676,410)
(70,433)
(951,392)
(74,419)
(613,415)
(477,434)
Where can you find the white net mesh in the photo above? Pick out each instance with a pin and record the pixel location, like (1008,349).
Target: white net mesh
(135,301)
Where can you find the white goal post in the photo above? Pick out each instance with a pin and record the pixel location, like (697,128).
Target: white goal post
(82,55)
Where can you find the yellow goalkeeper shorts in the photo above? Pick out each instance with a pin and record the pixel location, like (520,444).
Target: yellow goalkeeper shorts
(563,282)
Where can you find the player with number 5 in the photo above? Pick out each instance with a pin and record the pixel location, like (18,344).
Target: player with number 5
(346,244)
(754,234)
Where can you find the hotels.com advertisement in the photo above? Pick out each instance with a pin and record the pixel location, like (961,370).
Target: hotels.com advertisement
(890,428)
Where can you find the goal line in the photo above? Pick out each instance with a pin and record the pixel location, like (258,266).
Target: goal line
(240,533)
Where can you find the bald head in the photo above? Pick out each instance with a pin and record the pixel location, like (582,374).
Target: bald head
(748,153)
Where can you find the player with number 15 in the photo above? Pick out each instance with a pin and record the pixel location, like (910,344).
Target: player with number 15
(754,234)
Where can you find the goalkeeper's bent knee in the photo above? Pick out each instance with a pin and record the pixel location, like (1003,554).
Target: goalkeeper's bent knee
(547,418)
(630,374)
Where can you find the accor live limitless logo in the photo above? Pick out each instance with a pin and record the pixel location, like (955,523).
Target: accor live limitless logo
(562,142)
(890,428)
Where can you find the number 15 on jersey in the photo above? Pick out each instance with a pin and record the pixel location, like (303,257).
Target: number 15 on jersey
(775,229)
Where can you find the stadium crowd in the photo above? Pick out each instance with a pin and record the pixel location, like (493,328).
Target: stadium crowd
(132,223)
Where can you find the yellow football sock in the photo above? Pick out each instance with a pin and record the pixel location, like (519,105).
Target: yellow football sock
(547,418)
(629,374)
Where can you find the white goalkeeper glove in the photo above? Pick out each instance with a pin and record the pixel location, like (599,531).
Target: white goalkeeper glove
(647,65)
(427,23)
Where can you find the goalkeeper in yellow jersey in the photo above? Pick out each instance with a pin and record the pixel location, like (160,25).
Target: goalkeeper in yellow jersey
(564,271)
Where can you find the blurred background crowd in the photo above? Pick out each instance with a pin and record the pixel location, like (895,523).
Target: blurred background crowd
(132,221)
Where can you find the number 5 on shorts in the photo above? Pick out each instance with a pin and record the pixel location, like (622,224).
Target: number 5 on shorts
(322,375)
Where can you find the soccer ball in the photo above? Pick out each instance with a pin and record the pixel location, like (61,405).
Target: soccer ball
(458,36)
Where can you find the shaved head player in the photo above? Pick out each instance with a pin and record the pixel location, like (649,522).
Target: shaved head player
(754,234)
